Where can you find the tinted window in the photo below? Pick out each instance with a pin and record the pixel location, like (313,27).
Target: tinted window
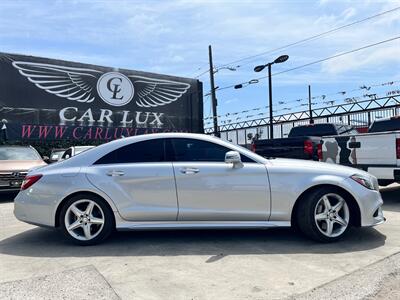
(313,130)
(346,129)
(16,153)
(196,150)
(146,151)
(387,125)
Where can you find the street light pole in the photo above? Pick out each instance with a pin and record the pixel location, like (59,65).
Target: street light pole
(279,60)
(271,122)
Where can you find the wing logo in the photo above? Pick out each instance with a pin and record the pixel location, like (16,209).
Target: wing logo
(114,88)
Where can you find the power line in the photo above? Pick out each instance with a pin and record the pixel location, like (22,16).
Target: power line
(314,37)
(318,61)
(201,74)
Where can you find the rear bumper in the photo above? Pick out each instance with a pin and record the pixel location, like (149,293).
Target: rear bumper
(34,209)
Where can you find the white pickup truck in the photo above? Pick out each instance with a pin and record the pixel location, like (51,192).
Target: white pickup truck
(377,152)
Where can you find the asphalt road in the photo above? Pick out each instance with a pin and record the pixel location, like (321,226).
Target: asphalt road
(224,264)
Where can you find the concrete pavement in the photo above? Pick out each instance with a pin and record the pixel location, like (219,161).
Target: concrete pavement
(239,264)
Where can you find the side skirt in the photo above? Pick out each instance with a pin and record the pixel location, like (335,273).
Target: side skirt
(122,225)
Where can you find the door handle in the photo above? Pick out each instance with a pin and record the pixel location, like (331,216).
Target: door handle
(115,173)
(189,170)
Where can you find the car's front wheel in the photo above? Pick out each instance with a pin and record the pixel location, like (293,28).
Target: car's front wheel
(324,215)
(86,220)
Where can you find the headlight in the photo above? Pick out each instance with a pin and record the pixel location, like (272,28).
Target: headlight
(363,180)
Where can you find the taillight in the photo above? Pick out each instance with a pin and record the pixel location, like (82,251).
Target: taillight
(253,147)
(319,151)
(398,148)
(308,147)
(29,181)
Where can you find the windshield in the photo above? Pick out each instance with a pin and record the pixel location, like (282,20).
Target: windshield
(81,149)
(56,154)
(16,153)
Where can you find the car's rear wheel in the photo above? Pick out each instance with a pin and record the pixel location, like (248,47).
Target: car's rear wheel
(86,220)
(324,215)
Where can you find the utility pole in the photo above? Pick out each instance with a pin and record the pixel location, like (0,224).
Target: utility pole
(271,118)
(309,105)
(213,97)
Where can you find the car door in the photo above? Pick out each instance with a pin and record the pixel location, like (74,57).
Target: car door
(139,181)
(211,190)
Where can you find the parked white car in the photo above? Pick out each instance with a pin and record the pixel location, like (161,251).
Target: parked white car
(377,152)
(192,181)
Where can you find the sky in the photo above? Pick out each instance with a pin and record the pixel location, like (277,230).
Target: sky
(172,37)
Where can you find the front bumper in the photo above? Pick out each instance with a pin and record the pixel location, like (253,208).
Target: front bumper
(372,214)
(370,203)
(11,181)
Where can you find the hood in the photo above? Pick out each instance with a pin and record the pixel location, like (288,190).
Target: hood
(316,167)
(20,165)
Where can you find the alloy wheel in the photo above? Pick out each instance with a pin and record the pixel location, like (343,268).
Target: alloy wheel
(84,219)
(331,215)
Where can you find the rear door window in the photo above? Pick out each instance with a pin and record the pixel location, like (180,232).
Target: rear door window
(140,152)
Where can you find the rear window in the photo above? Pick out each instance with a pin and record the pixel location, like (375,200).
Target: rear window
(14,153)
(321,130)
(386,125)
(313,130)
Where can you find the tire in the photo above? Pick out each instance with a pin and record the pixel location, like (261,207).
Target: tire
(89,219)
(320,221)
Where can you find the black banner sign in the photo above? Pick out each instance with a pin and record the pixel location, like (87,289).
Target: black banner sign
(46,99)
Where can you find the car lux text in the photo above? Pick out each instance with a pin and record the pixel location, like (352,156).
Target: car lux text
(145,122)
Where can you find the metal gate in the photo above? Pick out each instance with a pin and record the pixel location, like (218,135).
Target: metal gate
(359,114)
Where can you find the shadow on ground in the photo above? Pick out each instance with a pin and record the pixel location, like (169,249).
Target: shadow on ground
(40,242)
(7,196)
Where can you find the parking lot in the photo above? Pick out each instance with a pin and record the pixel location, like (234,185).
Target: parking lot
(234,264)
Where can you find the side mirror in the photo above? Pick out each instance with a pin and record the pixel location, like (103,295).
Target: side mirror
(46,158)
(233,157)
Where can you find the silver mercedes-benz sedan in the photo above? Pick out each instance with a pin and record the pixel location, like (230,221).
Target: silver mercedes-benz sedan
(191,181)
